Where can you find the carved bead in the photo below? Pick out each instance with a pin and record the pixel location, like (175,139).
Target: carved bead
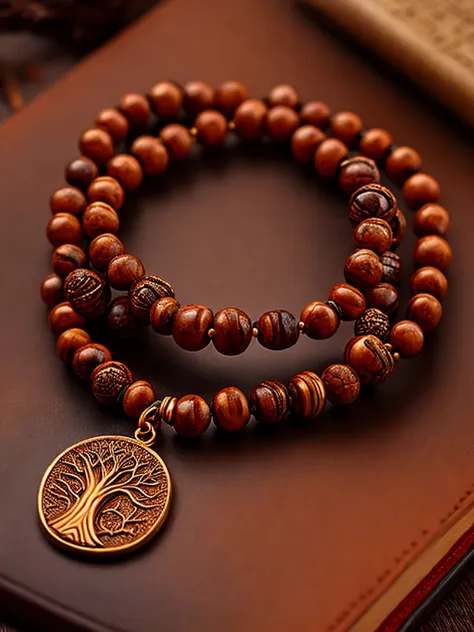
(370,359)
(277,330)
(383,297)
(103,249)
(357,172)
(166,99)
(373,234)
(108,190)
(229,95)
(68,200)
(328,156)
(429,280)
(120,319)
(399,228)
(304,142)
(191,326)
(52,290)
(191,417)
(69,342)
(153,155)
(97,144)
(123,270)
(63,316)
(283,94)
(431,219)
(308,395)
(233,331)
(373,200)
(375,143)
(144,292)
(269,401)
(281,122)
(137,398)
(425,310)
(342,384)
(109,381)
(320,320)
(127,170)
(363,269)
(88,358)
(198,96)
(346,126)
(373,322)
(87,292)
(250,118)
(64,228)
(402,163)
(349,300)
(162,314)
(407,338)
(432,250)
(67,258)
(230,409)
(100,218)
(420,189)
(390,267)
(80,172)
(177,139)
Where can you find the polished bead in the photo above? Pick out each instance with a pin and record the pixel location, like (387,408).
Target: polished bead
(137,398)
(363,270)
(348,299)
(429,280)
(108,190)
(191,326)
(103,249)
(198,96)
(373,234)
(407,338)
(144,292)
(229,95)
(402,163)
(177,139)
(316,113)
(97,144)
(383,297)
(152,154)
(64,228)
(399,228)
(420,189)
(370,359)
(391,265)
(308,395)
(375,143)
(269,401)
(232,331)
(372,200)
(346,126)
(425,310)
(283,94)
(136,109)
(69,342)
(162,314)
(126,170)
(166,411)
(114,122)
(281,123)
(81,171)
(100,218)
(356,172)
(166,99)
(250,118)
(67,258)
(63,316)
(191,416)
(277,330)
(230,409)
(52,290)
(212,128)
(87,358)
(328,156)
(320,320)
(432,250)
(373,322)
(68,200)
(304,142)
(121,321)
(87,292)
(109,381)
(123,270)
(341,383)
(431,219)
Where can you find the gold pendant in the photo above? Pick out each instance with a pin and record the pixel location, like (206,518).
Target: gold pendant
(105,495)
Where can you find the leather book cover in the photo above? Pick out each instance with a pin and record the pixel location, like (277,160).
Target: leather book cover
(343,524)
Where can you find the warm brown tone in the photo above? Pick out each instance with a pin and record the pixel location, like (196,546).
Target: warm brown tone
(87,293)
(81,171)
(342,384)
(229,95)
(114,122)
(391,267)
(103,249)
(151,153)
(191,416)
(369,358)
(191,326)
(407,338)
(108,190)
(399,228)
(363,269)
(166,99)
(63,316)
(230,409)
(100,218)
(87,358)
(137,398)
(97,144)
(232,331)
(67,258)
(357,172)
(373,200)
(281,122)
(127,170)
(64,228)
(425,310)
(346,126)
(383,297)
(420,189)
(52,290)
(277,330)
(136,109)
(375,143)
(121,321)
(198,96)
(373,322)
(432,250)
(250,118)
(212,128)
(320,320)
(177,140)
(144,292)
(349,299)
(308,395)
(429,280)
(109,381)
(69,342)
(162,314)
(373,234)
(68,200)
(431,219)
(123,270)
(269,401)
(304,142)
(284,94)
(316,113)
(328,156)
(402,163)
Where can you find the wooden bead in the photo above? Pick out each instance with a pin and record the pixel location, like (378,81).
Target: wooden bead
(250,119)
(166,99)
(429,280)
(52,290)
(375,143)
(425,310)
(144,292)
(315,113)
(162,314)
(373,322)
(308,395)
(63,316)
(370,359)
(177,139)
(372,200)
(152,154)
(420,189)
(407,338)
(304,142)
(166,411)
(191,416)
(431,219)
(390,267)
(127,170)
(87,358)
(80,172)
(402,163)
(357,172)
(269,401)
(108,190)
(320,320)
(212,128)
(283,95)
(109,381)
(136,109)
(69,342)
(281,122)
(198,96)
(230,409)
(121,321)
(363,270)
(191,326)
(100,218)
(373,234)
(383,297)
(398,225)
(68,200)
(67,258)
(277,330)
(123,270)
(432,250)
(114,122)
(346,126)
(64,228)
(328,157)
(229,95)
(232,331)
(97,144)
(103,249)
(341,383)
(349,300)
(137,398)
(87,293)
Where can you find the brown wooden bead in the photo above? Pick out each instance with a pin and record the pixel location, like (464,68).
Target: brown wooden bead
(103,249)
(137,398)
(191,326)
(425,310)
(87,292)
(407,338)
(432,250)
(63,316)
(109,381)
(127,170)
(69,342)
(166,99)
(373,234)
(121,321)
(383,297)
(429,280)
(166,411)
(316,113)
(177,139)
(431,219)
(81,171)
(363,269)
(230,409)
(108,190)
(399,228)
(349,300)
(191,416)
(269,401)
(320,320)
(144,292)
(372,200)
(346,126)
(198,96)
(229,95)
(283,95)
(114,122)
(232,331)
(87,358)
(402,163)
(250,119)
(136,109)
(420,189)
(67,258)
(304,142)
(52,290)
(97,144)
(342,384)
(123,270)
(152,154)
(370,359)
(391,267)
(281,122)
(212,128)
(64,228)
(162,314)
(328,157)
(277,330)
(373,322)
(68,200)
(375,143)
(357,172)
(100,218)
(308,395)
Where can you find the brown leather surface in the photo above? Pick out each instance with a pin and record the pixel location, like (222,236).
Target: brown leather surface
(297,528)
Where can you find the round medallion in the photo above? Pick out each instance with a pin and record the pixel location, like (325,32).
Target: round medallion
(104,495)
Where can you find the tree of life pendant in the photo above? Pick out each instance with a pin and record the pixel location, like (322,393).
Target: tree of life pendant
(104,495)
